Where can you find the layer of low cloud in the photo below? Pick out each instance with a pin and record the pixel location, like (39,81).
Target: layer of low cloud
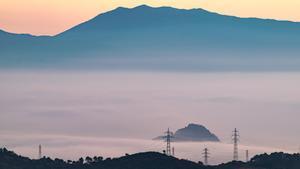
(140,106)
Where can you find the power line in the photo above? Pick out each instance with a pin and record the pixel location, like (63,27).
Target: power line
(235,138)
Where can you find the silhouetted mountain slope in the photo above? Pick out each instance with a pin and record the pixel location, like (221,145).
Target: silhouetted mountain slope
(195,132)
(165,39)
(148,160)
(277,161)
(192,132)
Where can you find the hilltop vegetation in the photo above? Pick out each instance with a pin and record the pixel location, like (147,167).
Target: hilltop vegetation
(147,160)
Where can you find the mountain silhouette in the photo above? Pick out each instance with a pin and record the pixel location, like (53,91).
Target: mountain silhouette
(192,132)
(161,38)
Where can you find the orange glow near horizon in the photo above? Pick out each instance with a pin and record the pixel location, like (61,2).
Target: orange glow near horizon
(50,17)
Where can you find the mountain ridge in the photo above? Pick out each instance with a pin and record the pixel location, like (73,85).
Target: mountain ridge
(151,7)
(195,132)
(164,39)
(192,133)
(195,11)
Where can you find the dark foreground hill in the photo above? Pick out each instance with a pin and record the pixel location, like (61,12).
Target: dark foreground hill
(148,160)
(162,38)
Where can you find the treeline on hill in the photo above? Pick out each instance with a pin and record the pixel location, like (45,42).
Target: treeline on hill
(148,160)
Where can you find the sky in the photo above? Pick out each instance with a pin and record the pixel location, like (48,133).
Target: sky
(50,17)
(73,114)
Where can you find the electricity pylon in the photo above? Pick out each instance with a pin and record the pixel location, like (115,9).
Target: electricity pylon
(169,136)
(247,155)
(173,151)
(205,156)
(40,151)
(235,138)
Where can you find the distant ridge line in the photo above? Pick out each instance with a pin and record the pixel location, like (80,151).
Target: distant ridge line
(148,7)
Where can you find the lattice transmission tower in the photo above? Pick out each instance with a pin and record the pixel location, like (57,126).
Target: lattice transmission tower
(173,151)
(235,138)
(40,151)
(247,155)
(169,136)
(205,156)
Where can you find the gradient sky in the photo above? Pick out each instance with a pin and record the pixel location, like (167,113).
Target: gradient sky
(49,17)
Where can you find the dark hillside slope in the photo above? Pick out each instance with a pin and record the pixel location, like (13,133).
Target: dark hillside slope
(148,160)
